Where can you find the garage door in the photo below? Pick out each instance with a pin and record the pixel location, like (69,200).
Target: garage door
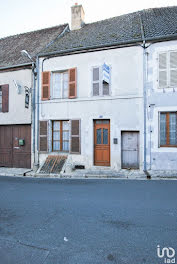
(15,146)
(130,150)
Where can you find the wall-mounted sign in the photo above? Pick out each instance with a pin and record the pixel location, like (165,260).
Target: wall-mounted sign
(26,98)
(106,73)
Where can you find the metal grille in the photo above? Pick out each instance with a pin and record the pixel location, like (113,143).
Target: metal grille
(53,164)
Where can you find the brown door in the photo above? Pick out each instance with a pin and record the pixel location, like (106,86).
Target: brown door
(5,146)
(21,153)
(12,154)
(102,143)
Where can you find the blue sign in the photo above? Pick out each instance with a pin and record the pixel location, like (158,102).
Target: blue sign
(106,73)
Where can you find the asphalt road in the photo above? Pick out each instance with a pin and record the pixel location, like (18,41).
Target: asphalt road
(54,221)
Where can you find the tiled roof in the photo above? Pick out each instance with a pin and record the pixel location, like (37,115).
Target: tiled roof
(155,22)
(33,42)
(159,22)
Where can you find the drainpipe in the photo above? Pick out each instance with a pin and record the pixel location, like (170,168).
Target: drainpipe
(37,114)
(33,109)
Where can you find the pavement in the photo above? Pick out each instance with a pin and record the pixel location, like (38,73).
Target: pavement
(94,173)
(68,221)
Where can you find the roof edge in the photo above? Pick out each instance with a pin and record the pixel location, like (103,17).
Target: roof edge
(16,66)
(120,44)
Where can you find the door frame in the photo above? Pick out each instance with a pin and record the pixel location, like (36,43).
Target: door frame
(131,131)
(93,139)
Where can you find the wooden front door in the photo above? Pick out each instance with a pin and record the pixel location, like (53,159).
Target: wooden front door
(102,142)
(12,154)
(130,150)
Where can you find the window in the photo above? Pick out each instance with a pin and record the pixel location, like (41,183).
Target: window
(101,80)
(168,129)
(60,84)
(60,136)
(167,69)
(0,99)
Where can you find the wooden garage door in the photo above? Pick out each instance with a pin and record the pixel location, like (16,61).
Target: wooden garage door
(11,153)
(130,150)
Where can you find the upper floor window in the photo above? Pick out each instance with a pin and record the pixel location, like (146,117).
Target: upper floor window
(4,98)
(167,69)
(59,84)
(168,129)
(101,80)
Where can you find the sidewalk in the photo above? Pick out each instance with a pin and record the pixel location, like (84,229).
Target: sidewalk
(92,174)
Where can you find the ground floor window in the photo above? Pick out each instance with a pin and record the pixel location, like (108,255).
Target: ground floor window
(168,129)
(60,136)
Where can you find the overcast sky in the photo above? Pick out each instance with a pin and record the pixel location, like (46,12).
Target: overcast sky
(18,16)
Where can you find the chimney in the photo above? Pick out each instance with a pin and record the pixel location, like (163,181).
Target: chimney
(77,16)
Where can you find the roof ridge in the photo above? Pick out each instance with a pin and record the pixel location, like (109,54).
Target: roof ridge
(130,13)
(33,31)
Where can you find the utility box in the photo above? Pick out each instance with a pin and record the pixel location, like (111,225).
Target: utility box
(21,142)
(115,141)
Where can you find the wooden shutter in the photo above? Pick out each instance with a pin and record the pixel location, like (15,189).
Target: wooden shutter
(43,131)
(163,83)
(173,69)
(5,98)
(46,85)
(96,81)
(75,136)
(72,83)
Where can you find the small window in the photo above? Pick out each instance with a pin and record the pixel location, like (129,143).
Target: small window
(168,129)
(60,84)
(60,136)
(0,99)
(101,80)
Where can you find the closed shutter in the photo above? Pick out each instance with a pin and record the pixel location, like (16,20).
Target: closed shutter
(43,130)
(46,85)
(173,69)
(96,81)
(75,136)
(5,98)
(163,83)
(72,83)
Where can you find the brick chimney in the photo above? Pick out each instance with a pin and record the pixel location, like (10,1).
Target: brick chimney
(77,16)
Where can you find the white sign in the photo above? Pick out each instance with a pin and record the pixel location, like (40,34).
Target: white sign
(106,73)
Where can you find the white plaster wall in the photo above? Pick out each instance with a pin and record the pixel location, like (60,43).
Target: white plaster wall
(124,107)
(17,114)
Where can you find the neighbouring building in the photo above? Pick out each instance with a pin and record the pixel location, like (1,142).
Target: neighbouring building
(16,92)
(161,87)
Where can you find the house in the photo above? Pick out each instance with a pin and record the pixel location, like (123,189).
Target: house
(107,92)
(17,102)
(161,87)
(91,105)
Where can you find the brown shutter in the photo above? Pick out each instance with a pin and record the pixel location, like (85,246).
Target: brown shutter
(43,143)
(5,98)
(75,136)
(46,85)
(73,83)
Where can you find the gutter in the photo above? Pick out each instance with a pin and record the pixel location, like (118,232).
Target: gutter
(109,46)
(16,66)
(91,48)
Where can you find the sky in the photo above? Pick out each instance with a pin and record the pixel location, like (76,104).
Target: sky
(19,16)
